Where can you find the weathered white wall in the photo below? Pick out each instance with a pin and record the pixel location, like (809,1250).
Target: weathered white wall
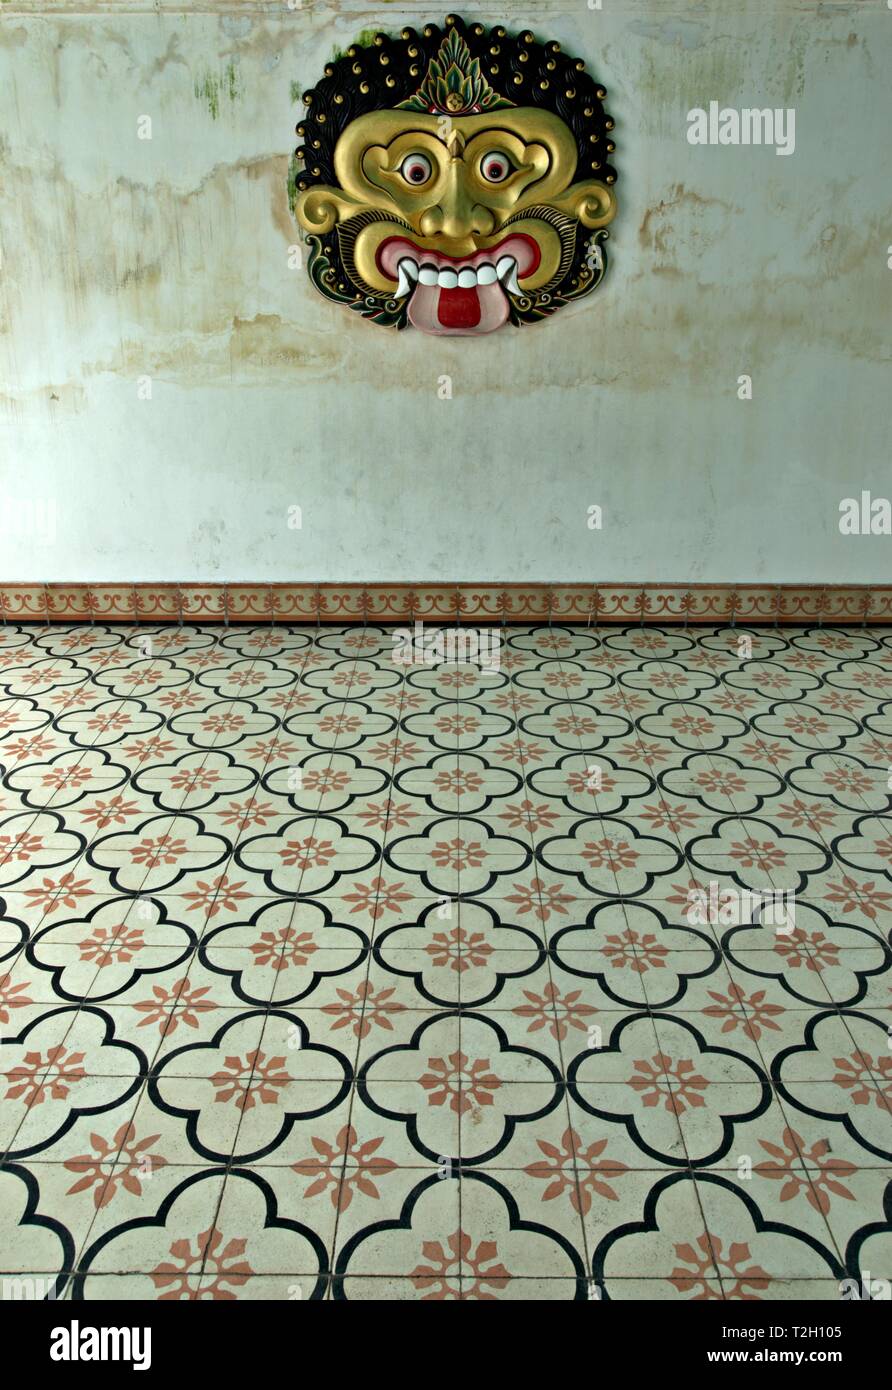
(167,258)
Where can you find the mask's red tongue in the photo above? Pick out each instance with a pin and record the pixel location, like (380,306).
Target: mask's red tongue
(459,308)
(480,310)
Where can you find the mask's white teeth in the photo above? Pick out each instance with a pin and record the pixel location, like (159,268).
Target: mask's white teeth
(407,272)
(447,279)
(486,275)
(506,269)
(428,275)
(467,278)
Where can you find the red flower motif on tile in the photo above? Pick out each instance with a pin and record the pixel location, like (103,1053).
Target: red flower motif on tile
(749,1013)
(849,895)
(653,1078)
(811,949)
(180,699)
(802,722)
(441,1273)
(849,779)
(40,676)
(344,1168)
(456,680)
(377,897)
(66,776)
(800,813)
(856,1075)
(182,1279)
(579,782)
(458,854)
(624,700)
(460,1081)
(640,751)
(664,816)
(610,854)
(142,749)
(120,1163)
(459,949)
(735,700)
(216,894)
(189,1004)
(540,898)
(456,782)
(161,850)
(21,847)
(363,1009)
(386,751)
(113,945)
(283,949)
(325,780)
(108,722)
(11,997)
(26,748)
(521,753)
(575,1171)
(774,752)
(457,724)
(526,815)
(113,812)
(638,951)
(256,813)
(577,724)
(876,751)
(32,1080)
(384,816)
(307,854)
(818,1187)
(558,1013)
(883,848)
(339,723)
(764,854)
(223,723)
(703,1268)
(695,726)
(808,661)
(248,1080)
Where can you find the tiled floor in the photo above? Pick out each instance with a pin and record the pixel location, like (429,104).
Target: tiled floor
(326,977)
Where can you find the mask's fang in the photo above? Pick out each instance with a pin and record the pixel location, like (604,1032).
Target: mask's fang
(407,277)
(506,269)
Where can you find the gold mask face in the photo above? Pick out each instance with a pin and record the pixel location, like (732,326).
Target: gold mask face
(448,206)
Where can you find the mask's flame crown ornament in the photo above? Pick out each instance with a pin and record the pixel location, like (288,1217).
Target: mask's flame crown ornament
(431,196)
(454,84)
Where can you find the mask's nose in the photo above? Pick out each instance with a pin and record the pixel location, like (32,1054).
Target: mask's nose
(456,215)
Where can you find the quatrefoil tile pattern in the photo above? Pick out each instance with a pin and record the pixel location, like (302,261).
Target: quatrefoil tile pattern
(327,977)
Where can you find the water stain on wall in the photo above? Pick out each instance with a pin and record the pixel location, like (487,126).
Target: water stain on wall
(683,221)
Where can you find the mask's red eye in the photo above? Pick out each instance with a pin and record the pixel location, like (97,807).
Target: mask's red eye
(495,167)
(416,169)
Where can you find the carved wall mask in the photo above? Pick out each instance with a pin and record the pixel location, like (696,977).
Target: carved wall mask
(455,179)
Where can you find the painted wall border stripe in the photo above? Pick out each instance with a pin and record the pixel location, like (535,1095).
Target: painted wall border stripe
(450,602)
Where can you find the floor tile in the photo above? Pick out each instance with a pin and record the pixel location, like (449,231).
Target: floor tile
(325,977)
